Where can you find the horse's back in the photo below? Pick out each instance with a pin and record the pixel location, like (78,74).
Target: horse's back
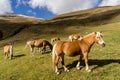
(7,48)
(68,48)
(39,42)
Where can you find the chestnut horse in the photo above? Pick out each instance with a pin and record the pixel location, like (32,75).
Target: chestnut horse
(78,47)
(38,43)
(8,51)
(55,39)
(75,37)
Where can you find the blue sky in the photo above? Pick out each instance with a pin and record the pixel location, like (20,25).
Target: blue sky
(25,9)
(49,8)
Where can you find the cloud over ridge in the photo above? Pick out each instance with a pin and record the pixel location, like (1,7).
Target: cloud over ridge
(64,6)
(5,7)
(57,6)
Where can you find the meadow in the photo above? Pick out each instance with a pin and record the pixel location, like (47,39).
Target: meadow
(104,62)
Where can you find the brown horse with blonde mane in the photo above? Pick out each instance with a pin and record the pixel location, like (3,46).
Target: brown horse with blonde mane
(79,47)
(38,43)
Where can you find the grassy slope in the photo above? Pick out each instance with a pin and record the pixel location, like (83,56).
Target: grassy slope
(105,62)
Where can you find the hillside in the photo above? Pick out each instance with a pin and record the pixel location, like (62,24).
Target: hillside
(19,25)
(95,16)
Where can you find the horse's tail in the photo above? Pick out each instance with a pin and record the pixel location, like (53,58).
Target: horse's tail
(27,44)
(54,55)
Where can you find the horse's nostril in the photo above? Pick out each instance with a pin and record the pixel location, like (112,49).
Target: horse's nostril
(103,44)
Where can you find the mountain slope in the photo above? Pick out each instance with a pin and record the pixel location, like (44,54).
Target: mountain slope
(12,24)
(93,16)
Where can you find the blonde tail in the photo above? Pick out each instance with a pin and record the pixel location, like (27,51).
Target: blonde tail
(53,55)
(27,44)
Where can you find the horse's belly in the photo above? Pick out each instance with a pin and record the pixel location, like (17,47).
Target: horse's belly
(72,54)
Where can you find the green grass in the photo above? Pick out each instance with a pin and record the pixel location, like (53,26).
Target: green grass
(104,62)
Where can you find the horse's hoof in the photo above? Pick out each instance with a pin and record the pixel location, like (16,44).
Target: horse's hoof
(10,58)
(67,70)
(88,70)
(57,73)
(78,68)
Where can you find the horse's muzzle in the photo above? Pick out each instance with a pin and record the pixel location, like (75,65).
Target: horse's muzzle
(103,44)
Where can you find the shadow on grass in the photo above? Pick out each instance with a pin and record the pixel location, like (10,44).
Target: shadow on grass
(46,52)
(99,63)
(20,55)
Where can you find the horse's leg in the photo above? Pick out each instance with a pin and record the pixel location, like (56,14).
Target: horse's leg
(5,55)
(86,62)
(39,49)
(56,64)
(62,62)
(43,49)
(78,64)
(32,50)
(11,53)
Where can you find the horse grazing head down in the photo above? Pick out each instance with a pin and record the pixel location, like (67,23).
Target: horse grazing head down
(99,39)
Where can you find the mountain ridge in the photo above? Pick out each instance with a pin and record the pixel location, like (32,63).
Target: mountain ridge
(12,24)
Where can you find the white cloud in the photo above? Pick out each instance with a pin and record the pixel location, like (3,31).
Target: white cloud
(38,3)
(110,3)
(64,6)
(31,13)
(5,6)
(21,2)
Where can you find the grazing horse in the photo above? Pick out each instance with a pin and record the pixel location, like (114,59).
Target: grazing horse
(75,37)
(8,51)
(38,43)
(55,39)
(79,47)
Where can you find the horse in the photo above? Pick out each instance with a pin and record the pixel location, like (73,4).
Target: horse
(38,43)
(8,51)
(79,47)
(75,37)
(55,39)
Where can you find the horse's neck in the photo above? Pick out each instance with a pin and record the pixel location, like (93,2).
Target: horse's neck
(50,45)
(89,40)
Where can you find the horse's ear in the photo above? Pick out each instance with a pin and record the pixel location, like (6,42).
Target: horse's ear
(100,31)
(95,32)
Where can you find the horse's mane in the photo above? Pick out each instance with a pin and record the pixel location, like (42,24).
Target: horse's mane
(89,35)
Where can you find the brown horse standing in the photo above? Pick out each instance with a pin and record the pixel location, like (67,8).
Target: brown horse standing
(78,47)
(38,43)
(8,51)
(55,39)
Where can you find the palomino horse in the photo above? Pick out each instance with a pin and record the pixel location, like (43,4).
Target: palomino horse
(38,43)
(78,47)
(8,51)
(55,39)
(75,37)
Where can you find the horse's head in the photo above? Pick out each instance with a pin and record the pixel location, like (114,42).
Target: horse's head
(99,39)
